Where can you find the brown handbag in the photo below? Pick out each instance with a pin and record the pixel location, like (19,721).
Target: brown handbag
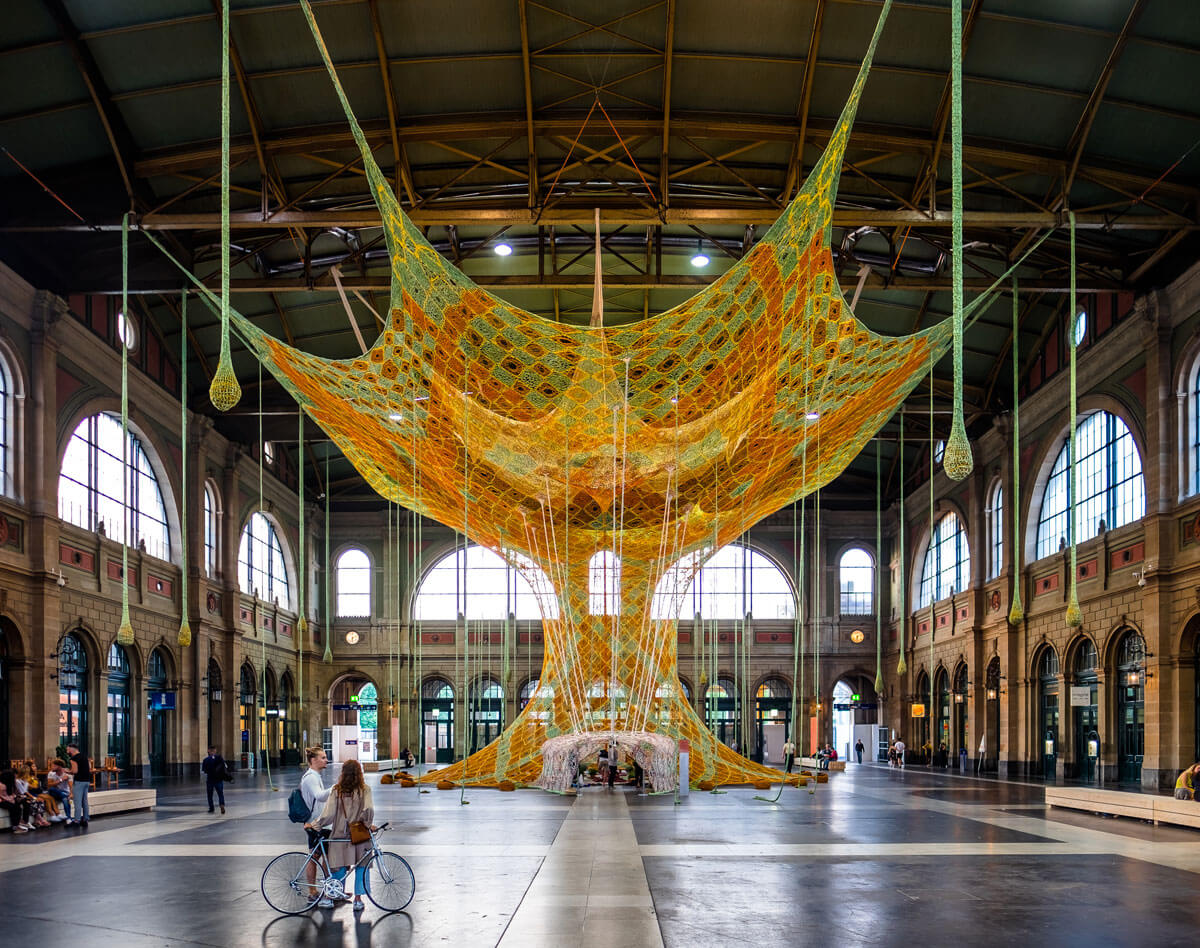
(358,831)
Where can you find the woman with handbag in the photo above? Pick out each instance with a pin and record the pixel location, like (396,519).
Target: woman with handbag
(348,813)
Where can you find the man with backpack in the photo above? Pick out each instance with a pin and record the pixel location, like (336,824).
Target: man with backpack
(216,772)
(306,803)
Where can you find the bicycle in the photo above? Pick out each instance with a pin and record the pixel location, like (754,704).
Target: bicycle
(390,882)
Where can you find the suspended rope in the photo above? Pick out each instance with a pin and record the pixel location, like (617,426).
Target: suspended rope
(125,629)
(902,665)
(224,391)
(935,579)
(957,457)
(302,561)
(327,658)
(878,574)
(1074,617)
(184,638)
(1016,612)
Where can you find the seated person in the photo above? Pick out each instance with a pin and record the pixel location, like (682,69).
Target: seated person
(831,753)
(1185,786)
(25,782)
(14,803)
(58,786)
(406,759)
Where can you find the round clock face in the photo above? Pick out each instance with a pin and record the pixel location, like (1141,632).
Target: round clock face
(857,636)
(351,638)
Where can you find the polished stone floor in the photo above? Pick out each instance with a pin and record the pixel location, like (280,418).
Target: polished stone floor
(876,857)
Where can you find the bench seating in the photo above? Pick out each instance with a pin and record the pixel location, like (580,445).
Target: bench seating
(101,802)
(834,765)
(1151,807)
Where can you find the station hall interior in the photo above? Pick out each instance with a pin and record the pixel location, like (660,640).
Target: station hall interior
(536,185)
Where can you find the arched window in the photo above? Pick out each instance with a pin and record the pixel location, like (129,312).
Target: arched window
(8,425)
(261,570)
(732,583)
(118,706)
(353,583)
(1109,479)
(604,584)
(995,530)
(90,487)
(210,531)
(856,576)
(947,566)
(72,692)
(528,690)
(480,584)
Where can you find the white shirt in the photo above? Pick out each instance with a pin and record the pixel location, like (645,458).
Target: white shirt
(899,747)
(789,748)
(314,792)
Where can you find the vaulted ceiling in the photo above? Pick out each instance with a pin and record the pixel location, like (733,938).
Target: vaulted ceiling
(688,123)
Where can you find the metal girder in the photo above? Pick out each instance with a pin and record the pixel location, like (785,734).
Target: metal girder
(203,157)
(664,167)
(528,79)
(618,281)
(756,213)
(796,164)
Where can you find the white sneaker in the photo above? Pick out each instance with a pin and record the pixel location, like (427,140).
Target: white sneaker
(325,903)
(20,828)
(359,906)
(57,819)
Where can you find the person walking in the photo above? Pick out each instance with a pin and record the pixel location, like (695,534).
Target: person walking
(613,756)
(315,793)
(789,755)
(81,778)
(213,768)
(349,802)
(900,749)
(858,749)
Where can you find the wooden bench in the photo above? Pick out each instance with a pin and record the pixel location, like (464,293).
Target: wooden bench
(101,802)
(834,765)
(1151,807)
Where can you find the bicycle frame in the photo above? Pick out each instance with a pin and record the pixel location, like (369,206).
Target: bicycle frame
(330,886)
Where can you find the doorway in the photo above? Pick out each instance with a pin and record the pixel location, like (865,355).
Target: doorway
(487,713)
(1086,717)
(156,684)
(773,720)
(1048,695)
(4,691)
(437,721)
(1131,707)
(118,707)
(724,713)
(843,719)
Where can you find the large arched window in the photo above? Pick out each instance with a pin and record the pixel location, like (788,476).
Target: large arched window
(995,530)
(480,584)
(8,427)
(856,579)
(604,584)
(947,566)
(734,582)
(261,569)
(211,510)
(353,583)
(72,691)
(90,486)
(1109,480)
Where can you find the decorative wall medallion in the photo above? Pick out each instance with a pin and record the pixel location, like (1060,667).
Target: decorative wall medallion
(995,600)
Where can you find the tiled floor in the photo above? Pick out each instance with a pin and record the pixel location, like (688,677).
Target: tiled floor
(876,857)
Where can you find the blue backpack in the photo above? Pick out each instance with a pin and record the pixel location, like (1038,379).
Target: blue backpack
(298,811)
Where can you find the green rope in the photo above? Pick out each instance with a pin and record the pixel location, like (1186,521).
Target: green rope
(302,622)
(878,575)
(224,391)
(327,658)
(933,586)
(902,665)
(957,458)
(1074,617)
(1017,612)
(125,630)
(184,638)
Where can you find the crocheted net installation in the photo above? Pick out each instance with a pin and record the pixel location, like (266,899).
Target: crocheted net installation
(659,442)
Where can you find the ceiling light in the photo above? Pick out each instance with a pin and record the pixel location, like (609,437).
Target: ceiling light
(812,416)
(700,260)
(502,249)
(396,416)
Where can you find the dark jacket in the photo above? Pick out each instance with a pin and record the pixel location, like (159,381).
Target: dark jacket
(213,768)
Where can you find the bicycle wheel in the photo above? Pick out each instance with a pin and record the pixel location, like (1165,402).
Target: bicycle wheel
(390,882)
(285,884)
